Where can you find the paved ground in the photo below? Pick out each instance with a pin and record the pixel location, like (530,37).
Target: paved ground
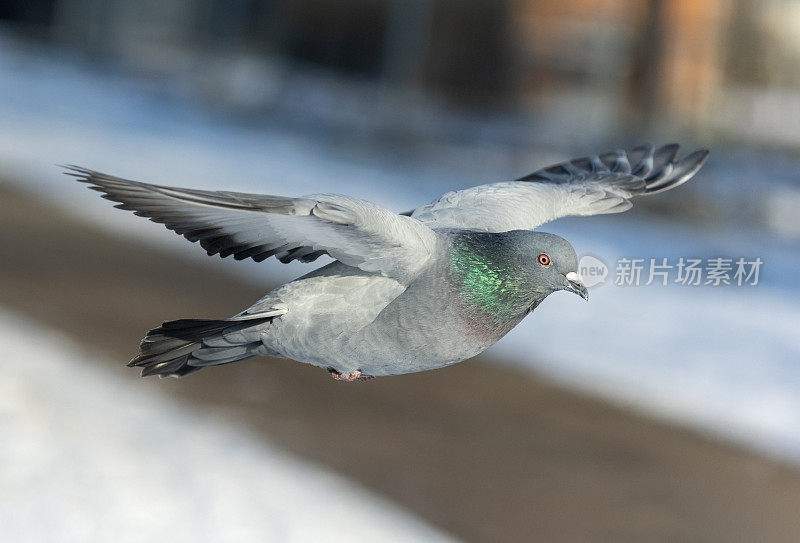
(487,453)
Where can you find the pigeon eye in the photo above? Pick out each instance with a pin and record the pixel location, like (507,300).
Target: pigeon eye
(544,260)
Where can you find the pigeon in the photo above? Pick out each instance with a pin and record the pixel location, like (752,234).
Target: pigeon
(405,292)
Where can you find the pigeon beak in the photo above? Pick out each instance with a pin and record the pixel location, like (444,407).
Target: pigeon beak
(574,284)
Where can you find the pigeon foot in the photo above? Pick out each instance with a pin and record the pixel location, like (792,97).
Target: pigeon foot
(356,375)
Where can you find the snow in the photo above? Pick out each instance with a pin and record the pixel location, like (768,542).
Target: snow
(87,455)
(721,359)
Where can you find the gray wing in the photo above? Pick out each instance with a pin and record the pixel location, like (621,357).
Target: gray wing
(585,186)
(353,231)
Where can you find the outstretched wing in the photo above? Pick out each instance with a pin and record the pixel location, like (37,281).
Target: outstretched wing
(357,233)
(585,186)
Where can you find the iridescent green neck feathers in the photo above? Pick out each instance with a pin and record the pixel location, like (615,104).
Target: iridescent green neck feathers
(487,283)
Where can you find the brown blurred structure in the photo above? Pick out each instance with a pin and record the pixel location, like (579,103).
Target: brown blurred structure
(624,65)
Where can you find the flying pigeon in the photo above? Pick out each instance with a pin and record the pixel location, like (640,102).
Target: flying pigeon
(406,292)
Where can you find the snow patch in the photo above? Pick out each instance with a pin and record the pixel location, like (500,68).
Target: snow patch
(87,455)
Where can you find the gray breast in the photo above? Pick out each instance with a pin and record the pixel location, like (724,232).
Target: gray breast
(428,326)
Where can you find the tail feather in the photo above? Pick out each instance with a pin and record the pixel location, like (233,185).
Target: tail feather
(177,348)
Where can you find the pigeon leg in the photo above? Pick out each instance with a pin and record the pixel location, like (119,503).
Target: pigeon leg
(350,377)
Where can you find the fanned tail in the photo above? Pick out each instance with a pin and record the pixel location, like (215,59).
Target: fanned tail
(178,348)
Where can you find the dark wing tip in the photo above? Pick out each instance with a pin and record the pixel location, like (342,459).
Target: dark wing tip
(679,172)
(658,167)
(83,175)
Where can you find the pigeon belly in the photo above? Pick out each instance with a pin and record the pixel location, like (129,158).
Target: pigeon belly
(419,331)
(342,318)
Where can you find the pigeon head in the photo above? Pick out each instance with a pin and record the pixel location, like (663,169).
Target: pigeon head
(549,261)
(503,276)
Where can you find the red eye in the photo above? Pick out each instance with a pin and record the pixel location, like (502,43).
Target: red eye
(544,260)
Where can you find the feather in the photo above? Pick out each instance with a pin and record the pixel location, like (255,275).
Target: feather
(589,185)
(257,226)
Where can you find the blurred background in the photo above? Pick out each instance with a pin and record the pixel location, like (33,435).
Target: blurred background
(653,413)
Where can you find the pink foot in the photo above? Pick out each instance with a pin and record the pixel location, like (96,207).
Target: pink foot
(356,375)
